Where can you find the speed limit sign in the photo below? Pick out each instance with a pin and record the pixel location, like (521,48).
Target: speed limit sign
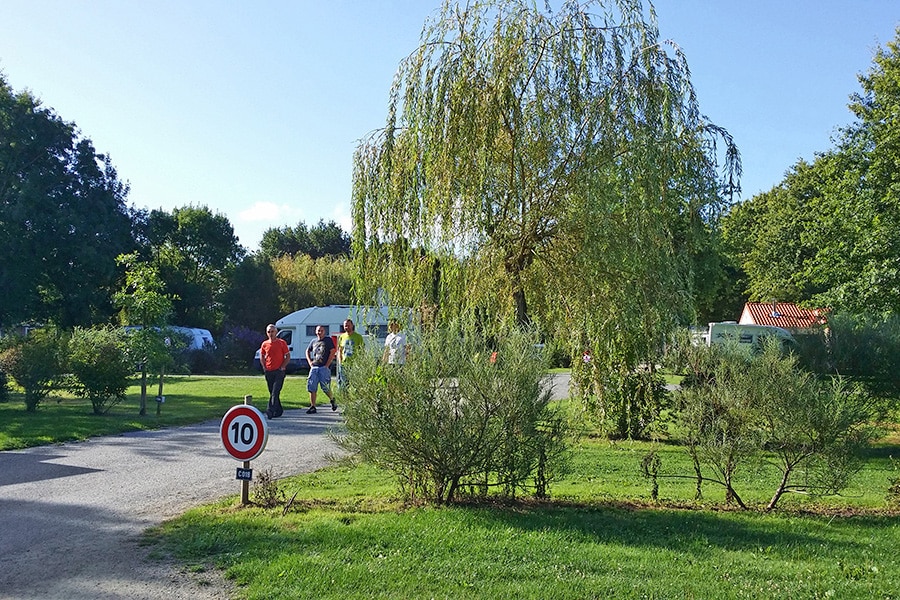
(244,432)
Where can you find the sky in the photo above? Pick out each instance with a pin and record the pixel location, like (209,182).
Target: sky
(254,109)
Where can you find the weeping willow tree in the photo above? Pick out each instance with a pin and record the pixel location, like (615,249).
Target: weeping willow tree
(541,165)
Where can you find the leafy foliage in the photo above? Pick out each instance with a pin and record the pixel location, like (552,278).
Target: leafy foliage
(547,167)
(251,299)
(893,493)
(828,234)
(452,419)
(321,240)
(194,251)
(35,363)
(142,300)
(866,349)
(625,405)
(63,218)
(237,345)
(100,366)
(743,406)
(303,281)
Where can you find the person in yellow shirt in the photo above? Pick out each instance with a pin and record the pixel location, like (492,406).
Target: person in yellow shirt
(349,343)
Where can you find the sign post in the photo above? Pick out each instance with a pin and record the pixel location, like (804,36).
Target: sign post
(244,432)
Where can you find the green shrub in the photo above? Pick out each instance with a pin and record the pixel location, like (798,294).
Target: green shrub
(100,366)
(237,347)
(267,490)
(629,405)
(893,493)
(201,360)
(765,406)
(862,348)
(35,363)
(458,417)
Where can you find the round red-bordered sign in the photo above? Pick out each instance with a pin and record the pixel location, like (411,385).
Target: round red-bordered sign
(244,432)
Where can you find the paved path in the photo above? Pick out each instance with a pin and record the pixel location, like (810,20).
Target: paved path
(71,515)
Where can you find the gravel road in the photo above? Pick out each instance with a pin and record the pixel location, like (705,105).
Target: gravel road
(71,515)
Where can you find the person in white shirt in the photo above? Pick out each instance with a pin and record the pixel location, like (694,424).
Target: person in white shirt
(395,347)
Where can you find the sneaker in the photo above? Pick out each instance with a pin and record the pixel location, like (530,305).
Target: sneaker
(268,415)
(333,404)
(311,410)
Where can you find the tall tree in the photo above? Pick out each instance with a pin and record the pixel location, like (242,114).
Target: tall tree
(559,159)
(63,218)
(323,239)
(829,233)
(195,252)
(251,299)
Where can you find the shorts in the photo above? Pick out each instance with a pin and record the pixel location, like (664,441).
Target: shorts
(319,376)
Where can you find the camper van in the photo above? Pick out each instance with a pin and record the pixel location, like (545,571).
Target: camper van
(298,329)
(748,337)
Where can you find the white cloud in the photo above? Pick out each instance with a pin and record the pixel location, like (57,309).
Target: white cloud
(341,216)
(264,211)
(252,222)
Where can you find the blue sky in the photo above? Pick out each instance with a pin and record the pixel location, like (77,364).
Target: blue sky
(254,108)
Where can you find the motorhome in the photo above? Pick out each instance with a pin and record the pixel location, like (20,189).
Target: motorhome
(748,337)
(299,328)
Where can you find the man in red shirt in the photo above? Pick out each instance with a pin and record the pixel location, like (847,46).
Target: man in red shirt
(274,356)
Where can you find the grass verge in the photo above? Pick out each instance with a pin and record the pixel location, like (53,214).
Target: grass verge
(189,399)
(344,537)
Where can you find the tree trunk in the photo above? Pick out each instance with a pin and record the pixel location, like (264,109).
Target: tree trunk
(514,267)
(698,495)
(521,308)
(159,396)
(143,410)
(781,488)
(730,495)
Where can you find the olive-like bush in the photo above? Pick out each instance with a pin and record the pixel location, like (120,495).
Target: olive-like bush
(460,417)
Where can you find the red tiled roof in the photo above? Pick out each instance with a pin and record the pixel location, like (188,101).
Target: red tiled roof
(782,314)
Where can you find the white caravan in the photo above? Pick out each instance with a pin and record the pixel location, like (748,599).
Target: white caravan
(746,336)
(196,338)
(299,328)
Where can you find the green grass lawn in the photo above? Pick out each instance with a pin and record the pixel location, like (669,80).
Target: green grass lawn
(344,537)
(189,399)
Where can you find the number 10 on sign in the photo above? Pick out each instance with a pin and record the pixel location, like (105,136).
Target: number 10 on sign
(244,432)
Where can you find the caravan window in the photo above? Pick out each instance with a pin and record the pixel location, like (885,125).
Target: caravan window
(379,331)
(286,335)
(311,330)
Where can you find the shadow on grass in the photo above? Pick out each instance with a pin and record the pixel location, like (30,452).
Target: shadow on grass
(683,530)
(698,533)
(883,451)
